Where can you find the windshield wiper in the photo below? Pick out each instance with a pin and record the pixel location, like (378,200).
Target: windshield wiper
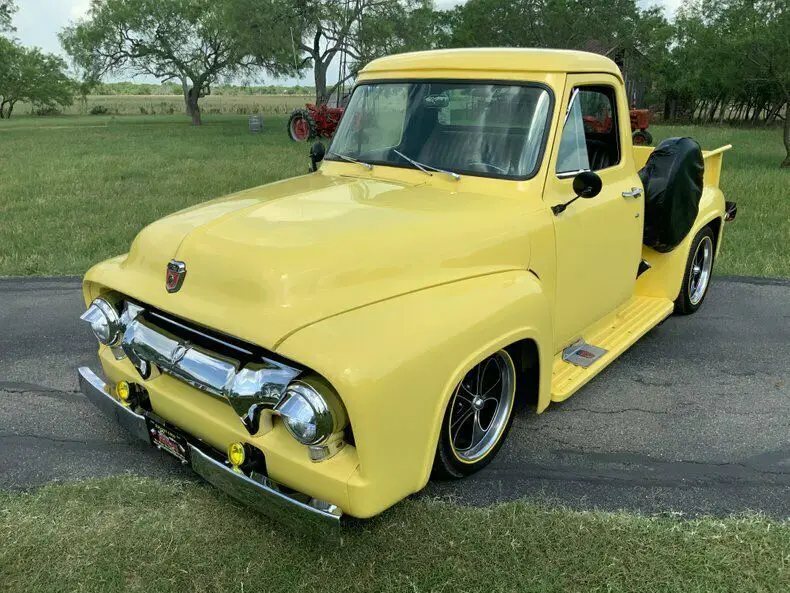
(426,168)
(350,159)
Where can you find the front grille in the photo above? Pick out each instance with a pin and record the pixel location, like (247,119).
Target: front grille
(247,376)
(223,344)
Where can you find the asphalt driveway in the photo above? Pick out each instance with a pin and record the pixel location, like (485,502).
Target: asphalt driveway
(695,418)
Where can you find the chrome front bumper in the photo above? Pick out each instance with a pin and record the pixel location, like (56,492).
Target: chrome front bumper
(255,491)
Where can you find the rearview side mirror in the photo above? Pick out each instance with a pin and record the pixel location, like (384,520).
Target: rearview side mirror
(317,152)
(587,184)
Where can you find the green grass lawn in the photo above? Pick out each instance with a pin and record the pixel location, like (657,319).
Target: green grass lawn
(134,534)
(76,190)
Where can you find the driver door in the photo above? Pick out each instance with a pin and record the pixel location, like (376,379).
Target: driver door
(598,241)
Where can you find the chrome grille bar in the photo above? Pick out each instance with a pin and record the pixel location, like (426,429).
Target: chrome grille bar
(248,389)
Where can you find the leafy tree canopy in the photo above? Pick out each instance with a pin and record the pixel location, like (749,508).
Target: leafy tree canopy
(189,41)
(28,74)
(321,30)
(7,10)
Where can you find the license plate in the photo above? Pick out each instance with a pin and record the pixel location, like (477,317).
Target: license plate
(167,440)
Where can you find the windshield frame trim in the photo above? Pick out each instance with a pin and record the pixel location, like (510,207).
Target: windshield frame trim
(497,82)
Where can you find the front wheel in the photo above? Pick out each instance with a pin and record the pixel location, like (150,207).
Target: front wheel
(477,419)
(699,268)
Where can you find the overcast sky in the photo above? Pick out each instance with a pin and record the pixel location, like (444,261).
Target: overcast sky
(39,21)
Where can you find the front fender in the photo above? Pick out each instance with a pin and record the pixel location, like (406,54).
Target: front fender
(395,364)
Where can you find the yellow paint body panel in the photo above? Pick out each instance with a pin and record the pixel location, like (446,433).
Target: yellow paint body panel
(392,284)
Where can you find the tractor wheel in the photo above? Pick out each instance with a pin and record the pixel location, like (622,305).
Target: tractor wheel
(301,125)
(642,138)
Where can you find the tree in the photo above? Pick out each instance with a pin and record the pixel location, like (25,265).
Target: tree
(730,60)
(763,38)
(7,10)
(572,24)
(28,74)
(398,27)
(322,30)
(189,41)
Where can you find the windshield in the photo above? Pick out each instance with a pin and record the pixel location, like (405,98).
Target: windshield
(493,130)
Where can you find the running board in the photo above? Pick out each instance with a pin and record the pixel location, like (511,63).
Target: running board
(613,336)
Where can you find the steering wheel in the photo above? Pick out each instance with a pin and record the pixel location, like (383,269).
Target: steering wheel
(488,165)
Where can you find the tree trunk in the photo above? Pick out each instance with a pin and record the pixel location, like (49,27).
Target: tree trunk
(192,104)
(772,114)
(185,90)
(723,109)
(10,109)
(786,162)
(712,110)
(319,75)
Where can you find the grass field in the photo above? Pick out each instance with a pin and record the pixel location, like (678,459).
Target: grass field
(133,534)
(77,189)
(174,104)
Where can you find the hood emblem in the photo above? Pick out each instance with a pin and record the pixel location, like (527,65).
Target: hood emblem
(174,276)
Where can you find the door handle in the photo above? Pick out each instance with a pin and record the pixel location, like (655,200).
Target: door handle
(634,193)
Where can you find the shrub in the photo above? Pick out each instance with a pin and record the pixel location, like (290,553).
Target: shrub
(99,110)
(46,110)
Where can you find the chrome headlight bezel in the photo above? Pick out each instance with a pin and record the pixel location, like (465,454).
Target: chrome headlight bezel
(105,322)
(311,411)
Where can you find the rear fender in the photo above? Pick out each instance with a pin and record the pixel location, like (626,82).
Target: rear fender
(395,365)
(667,269)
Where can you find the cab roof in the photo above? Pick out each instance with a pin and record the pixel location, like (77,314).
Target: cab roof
(496,59)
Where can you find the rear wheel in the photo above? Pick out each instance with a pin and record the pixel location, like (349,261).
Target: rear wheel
(301,125)
(642,138)
(699,268)
(477,419)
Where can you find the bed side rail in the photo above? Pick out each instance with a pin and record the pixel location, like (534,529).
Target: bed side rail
(713,159)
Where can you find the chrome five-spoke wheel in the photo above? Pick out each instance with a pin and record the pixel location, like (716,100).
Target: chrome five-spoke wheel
(701,265)
(699,268)
(478,416)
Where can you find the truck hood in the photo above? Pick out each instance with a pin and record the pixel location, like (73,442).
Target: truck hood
(268,261)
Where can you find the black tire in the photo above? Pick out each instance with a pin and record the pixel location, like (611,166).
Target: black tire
(301,114)
(452,461)
(642,138)
(692,294)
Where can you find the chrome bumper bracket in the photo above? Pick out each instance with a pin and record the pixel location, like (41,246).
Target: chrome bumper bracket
(260,494)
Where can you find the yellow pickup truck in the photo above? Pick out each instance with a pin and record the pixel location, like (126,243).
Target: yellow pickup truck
(469,246)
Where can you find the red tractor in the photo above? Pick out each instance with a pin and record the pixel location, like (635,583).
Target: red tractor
(640,121)
(313,121)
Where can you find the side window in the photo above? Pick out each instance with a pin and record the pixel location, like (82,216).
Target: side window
(590,139)
(572,155)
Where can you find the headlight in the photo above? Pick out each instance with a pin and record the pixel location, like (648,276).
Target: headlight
(104,321)
(311,411)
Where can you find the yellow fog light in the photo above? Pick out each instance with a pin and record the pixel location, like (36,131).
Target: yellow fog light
(236,454)
(122,391)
